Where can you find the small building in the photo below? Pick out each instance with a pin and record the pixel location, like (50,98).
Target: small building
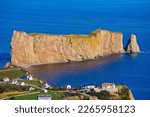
(24,77)
(68,87)
(31,89)
(46,86)
(97,90)
(30,77)
(27,77)
(45,90)
(13,82)
(109,87)
(44,97)
(6,79)
(89,87)
(20,83)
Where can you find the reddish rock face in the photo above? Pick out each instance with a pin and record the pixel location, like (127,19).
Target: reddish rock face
(34,49)
(133,46)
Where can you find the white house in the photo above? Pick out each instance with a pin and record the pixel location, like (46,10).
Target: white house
(31,89)
(27,77)
(30,77)
(46,86)
(13,82)
(21,83)
(68,87)
(97,90)
(45,90)
(109,87)
(89,87)
(6,79)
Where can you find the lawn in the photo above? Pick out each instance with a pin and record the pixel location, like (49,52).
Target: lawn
(54,95)
(4,87)
(32,82)
(11,74)
(7,90)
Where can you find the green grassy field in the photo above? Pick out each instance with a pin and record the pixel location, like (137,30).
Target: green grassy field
(32,82)
(54,95)
(4,87)
(11,74)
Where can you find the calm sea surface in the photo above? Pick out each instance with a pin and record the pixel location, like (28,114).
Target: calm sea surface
(84,16)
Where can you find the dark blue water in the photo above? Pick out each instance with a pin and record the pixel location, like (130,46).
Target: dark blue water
(4,58)
(84,16)
(128,69)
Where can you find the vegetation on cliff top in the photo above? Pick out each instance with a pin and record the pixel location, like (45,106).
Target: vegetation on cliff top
(123,93)
(8,90)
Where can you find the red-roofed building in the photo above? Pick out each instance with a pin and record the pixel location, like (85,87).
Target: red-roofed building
(109,87)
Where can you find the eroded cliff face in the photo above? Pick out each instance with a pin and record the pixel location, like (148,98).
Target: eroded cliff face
(33,49)
(133,46)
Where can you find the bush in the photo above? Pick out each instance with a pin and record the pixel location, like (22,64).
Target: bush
(104,95)
(12,98)
(124,93)
(2,89)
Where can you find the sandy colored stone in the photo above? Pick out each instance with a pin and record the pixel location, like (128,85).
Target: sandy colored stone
(34,49)
(133,46)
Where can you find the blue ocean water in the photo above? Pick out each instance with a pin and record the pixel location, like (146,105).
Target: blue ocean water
(84,16)
(4,58)
(126,69)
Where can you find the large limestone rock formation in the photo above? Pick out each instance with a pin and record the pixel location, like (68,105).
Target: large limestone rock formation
(133,46)
(33,49)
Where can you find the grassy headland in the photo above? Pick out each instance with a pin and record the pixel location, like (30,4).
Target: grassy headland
(16,91)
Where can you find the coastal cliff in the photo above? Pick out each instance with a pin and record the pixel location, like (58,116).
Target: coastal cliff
(34,49)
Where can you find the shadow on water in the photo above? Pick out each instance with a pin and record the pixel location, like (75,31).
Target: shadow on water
(52,72)
(133,55)
(128,69)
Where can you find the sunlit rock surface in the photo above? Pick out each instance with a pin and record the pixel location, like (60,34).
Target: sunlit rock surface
(34,49)
(133,46)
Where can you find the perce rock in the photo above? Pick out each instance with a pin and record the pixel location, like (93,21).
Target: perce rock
(35,49)
(133,46)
